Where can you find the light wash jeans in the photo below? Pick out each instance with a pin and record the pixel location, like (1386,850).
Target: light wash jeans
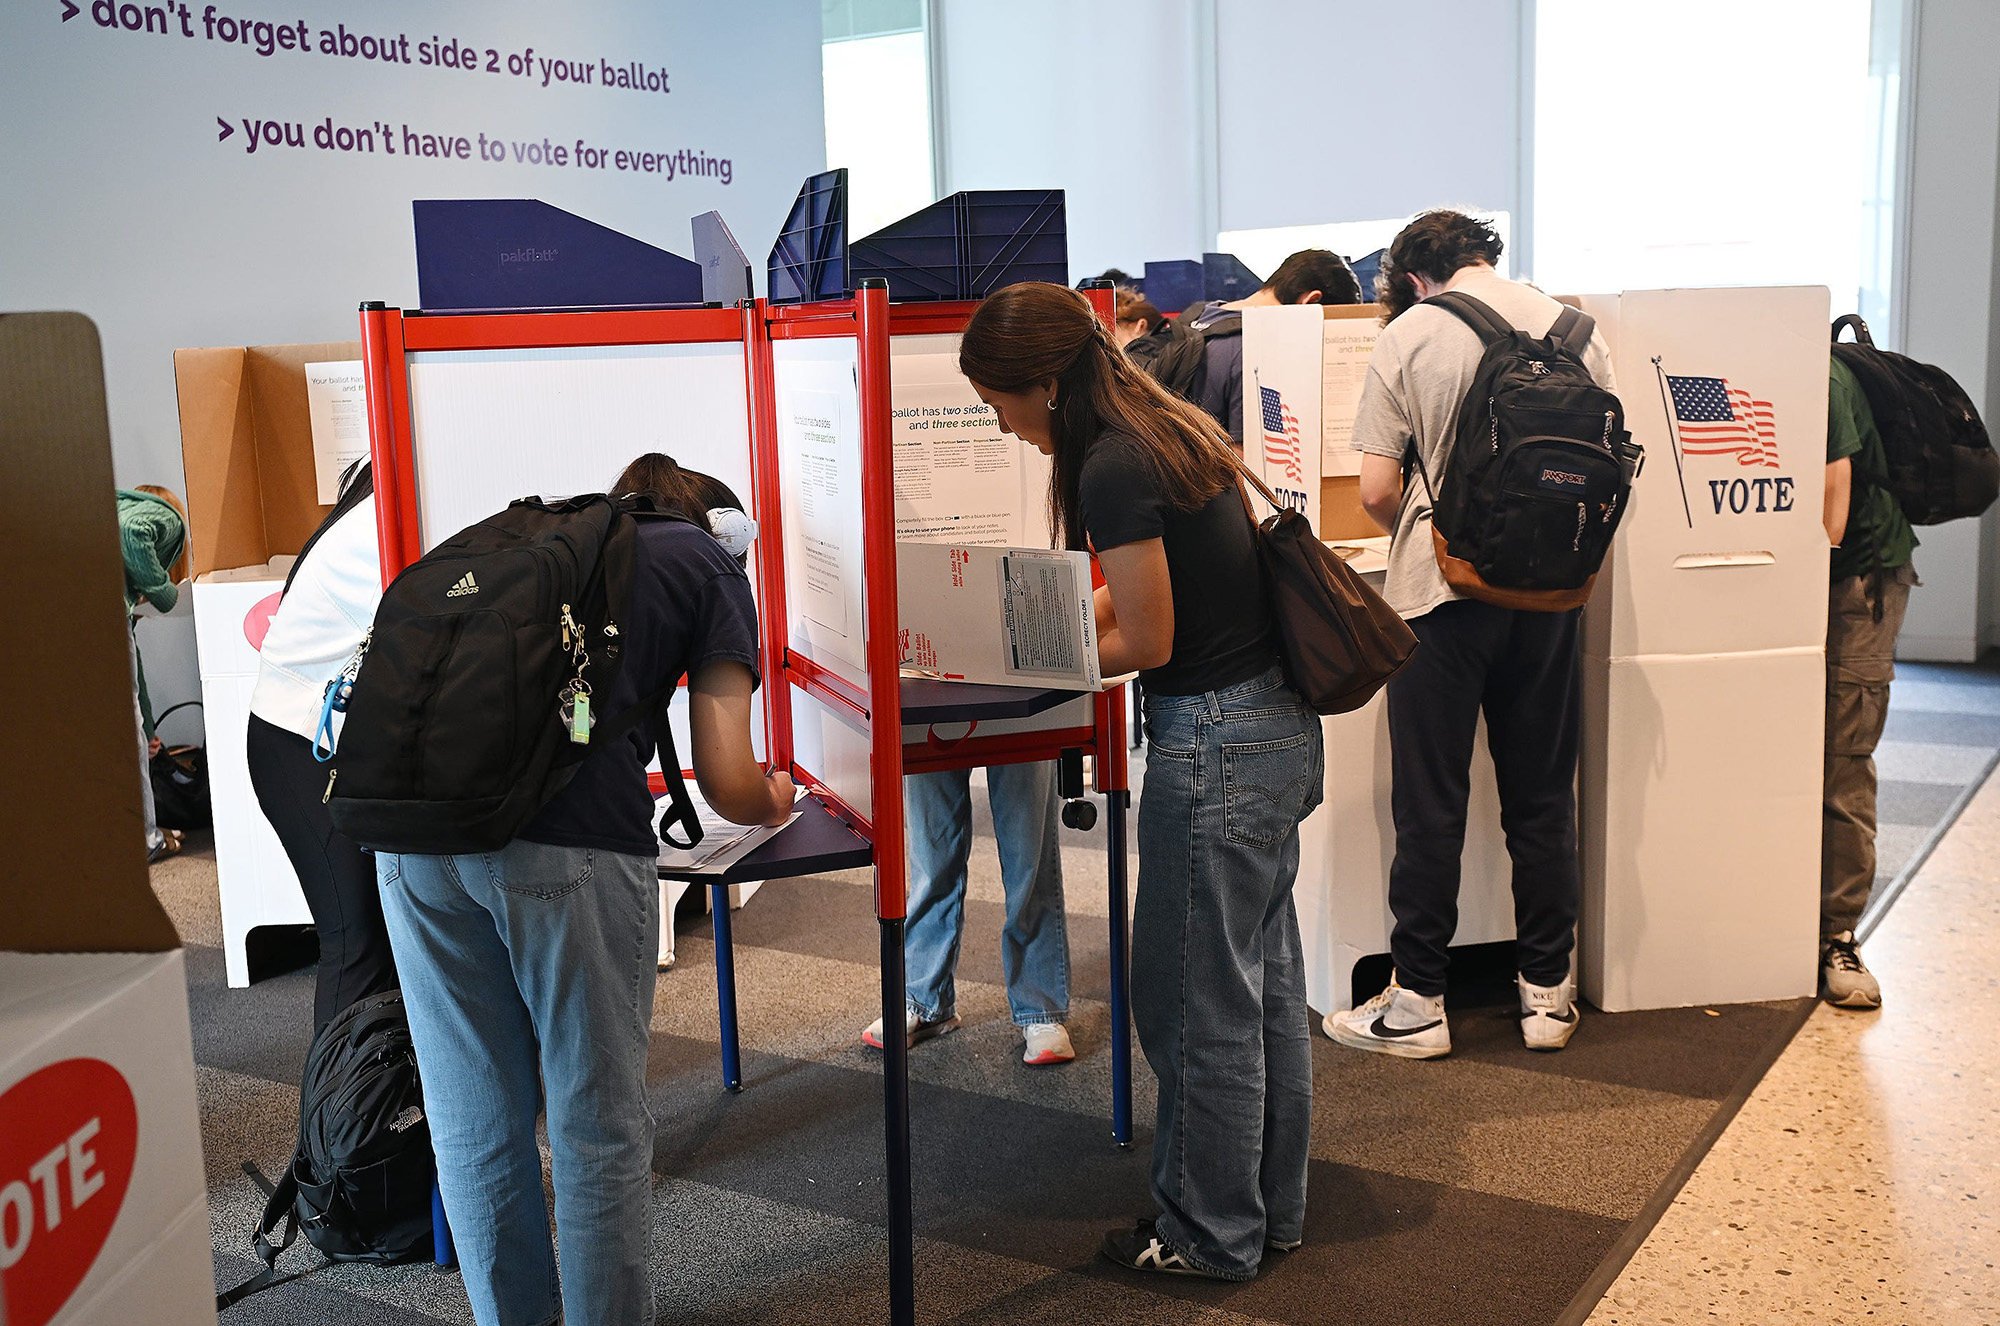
(1034,946)
(1218,979)
(528,974)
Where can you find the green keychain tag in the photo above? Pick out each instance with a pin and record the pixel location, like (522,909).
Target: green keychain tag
(579,719)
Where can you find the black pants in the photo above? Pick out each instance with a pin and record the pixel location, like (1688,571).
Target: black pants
(1520,668)
(338,878)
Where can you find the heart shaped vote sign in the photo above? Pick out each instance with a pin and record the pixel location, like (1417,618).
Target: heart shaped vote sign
(68,1136)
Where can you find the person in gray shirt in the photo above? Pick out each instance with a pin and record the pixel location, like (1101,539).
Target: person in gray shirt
(1519,668)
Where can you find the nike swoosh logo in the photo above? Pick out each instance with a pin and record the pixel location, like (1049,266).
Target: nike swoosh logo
(1380,1027)
(1554,1017)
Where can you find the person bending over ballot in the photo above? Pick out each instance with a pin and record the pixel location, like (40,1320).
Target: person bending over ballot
(529,972)
(1218,991)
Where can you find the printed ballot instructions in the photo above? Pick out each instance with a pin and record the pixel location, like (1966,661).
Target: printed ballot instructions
(337,406)
(1002,616)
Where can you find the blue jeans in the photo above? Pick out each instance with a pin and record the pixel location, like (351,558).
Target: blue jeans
(1034,946)
(1218,979)
(528,974)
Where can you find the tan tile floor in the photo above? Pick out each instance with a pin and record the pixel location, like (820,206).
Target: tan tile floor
(1861,1182)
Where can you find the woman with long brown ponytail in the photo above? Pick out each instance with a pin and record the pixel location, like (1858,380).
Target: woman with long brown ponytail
(1150,485)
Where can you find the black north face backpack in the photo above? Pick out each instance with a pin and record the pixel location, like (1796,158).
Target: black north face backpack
(1540,471)
(1941,462)
(472,706)
(359,1183)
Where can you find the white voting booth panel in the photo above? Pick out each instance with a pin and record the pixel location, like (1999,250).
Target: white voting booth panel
(254,877)
(1704,658)
(494,425)
(1347,845)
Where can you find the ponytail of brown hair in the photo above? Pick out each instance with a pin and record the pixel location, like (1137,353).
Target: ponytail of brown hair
(1024,335)
(672,488)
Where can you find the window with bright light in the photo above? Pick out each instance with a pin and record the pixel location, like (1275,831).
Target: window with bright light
(876,65)
(1711,142)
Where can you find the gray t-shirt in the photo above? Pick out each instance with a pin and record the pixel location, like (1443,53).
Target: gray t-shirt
(1423,365)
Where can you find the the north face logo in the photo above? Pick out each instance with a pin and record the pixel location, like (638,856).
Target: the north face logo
(466,585)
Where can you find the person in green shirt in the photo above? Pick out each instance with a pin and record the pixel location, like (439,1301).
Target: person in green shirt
(1871,579)
(152,537)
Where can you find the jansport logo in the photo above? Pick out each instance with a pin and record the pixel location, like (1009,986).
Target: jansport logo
(466,585)
(1563,479)
(69,1134)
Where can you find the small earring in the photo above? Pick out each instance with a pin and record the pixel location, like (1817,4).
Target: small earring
(1052,402)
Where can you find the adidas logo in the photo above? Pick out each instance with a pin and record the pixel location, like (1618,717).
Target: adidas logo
(466,585)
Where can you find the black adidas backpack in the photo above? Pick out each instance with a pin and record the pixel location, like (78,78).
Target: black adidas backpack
(471,710)
(359,1182)
(1540,471)
(1941,462)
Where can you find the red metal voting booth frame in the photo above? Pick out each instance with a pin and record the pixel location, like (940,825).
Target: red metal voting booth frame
(388,337)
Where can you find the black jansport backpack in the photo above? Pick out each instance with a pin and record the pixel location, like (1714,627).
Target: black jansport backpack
(1941,462)
(1540,471)
(471,709)
(359,1183)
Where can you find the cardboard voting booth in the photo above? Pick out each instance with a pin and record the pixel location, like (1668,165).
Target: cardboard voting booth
(265,432)
(1303,366)
(1704,667)
(103,1208)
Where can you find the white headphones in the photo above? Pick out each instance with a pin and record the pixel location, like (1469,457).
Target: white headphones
(732,529)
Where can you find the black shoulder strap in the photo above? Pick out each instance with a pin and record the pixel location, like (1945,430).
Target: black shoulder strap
(1861,336)
(361,490)
(1572,330)
(281,1208)
(680,809)
(1490,326)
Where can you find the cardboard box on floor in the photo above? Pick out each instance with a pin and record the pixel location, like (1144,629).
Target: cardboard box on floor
(103,1206)
(253,501)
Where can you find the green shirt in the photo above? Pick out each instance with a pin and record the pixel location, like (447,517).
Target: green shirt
(1878,537)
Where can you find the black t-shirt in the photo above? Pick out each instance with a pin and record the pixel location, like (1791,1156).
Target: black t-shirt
(1222,626)
(691,605)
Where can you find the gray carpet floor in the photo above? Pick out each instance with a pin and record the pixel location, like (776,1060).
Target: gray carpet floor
(1482,1188)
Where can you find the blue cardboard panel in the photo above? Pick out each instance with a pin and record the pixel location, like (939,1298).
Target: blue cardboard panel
(1224,277)
(809,261)
(968,245)
(725,272)
(1368,271)
(1174,286)
(521,253)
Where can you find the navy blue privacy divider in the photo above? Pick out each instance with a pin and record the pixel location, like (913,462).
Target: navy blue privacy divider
(1173,286)
(725,272)
(809,261)
(520,253)
(1368,271)
(1224,277)
(968,245)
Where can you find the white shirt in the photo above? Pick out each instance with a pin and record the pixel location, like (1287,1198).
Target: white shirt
(318,624)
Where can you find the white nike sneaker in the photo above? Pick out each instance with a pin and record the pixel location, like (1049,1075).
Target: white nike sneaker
(1548,1013)
(1398,1022)
(918,1031)
(1046,1043)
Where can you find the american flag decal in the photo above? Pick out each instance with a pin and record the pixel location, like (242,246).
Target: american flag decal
(1281,435)
(1716,419)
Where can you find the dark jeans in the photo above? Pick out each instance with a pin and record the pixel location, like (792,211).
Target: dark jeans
(337,877)
(1218,975)
(1520,669)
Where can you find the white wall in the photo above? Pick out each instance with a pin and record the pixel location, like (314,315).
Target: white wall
(123,200)
(1951,295)
(1354,110)
(1099,99)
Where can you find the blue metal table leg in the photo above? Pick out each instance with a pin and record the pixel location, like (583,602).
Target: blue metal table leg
(896,1128)
(1116,804)
(725,988)
(443,1251)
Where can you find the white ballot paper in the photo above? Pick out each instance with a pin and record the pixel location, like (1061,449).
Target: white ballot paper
(337,405)
(1002,616)
(722,844)
(1345,348)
